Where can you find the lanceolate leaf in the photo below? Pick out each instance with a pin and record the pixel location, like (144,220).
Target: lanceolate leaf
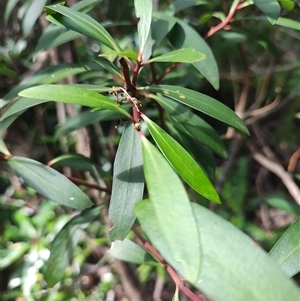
(167,218)
(50,183)
(129,251)
(128,183)
(184,119)
(202,103)
(143,11)
(82,23)
(3,148)
(183,36)
(270,8)
(286,251)
(182,162)
(185,55)
(234,265)
(63,245)
(179,5)
(74,95)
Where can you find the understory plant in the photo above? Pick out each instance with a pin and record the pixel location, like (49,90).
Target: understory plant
(163,171)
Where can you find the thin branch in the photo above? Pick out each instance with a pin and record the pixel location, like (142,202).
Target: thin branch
(125,71)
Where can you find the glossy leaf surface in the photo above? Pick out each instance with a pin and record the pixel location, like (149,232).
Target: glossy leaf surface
(270,8)
(202,103)
(184,55)
(286,251)
(129,251)
(63,245)
(182,162)
(82,23)
(74,95)
(128,183)
(234,265)
(49,183)
(167,218)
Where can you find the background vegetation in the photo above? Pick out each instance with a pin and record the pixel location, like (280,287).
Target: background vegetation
(258,184)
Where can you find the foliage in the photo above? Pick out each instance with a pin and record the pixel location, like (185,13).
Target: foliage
(163,172)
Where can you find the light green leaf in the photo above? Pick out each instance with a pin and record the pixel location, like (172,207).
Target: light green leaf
(12,253)
(74,95)
(168,219)
(184,55)
(129,251)
(270,8)
(143,11)
(8,9)
(3,148)
(235,267)
(182,162)
(185,120)
(48,75)
(288,23)
(282,204)
(50,183)
(128,183)
(62,247)
(202,103)
(130,54)
(183,36)
(286,251)
(82,23)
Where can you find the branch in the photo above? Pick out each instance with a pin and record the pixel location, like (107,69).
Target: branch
(125,70)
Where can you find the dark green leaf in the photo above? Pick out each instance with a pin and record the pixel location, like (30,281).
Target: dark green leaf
(184,55)
(63,245)
(286,251)
(109,66)
(82,23)
(202,103)
(235,267)
(49,183)
(182,162)
(270,8)
(183,36)
(179,5)
(128,183)
(185,120)
(143,11)
(167,218)
(129,251)
(74,95)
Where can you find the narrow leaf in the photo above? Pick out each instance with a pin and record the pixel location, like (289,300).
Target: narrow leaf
(74,95)
(168,219)
(3,148)
(270,8)
(128,183)
(179,5)
(82,23)
(202,103)
(143,11)
(286,251)
(62,247)
(183,36)
(185,55)
(129,251)
(184,119)
(235,267)
(182,162)
(50,183)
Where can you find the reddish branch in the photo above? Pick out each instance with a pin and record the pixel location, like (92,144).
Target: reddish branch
(179,281)
(227,20)
(125,70)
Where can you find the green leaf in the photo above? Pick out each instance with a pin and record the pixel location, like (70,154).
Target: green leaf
(50,183)
(109,66)
(286,251)
(270,8)
(168,219)
(3,148)
(82,23)
(74,95)
(183,36)
(202,103)
(62,247)
(143,11)
(282,204)
(8,9)
(129,251)
(185,55)
(235,267)
(182,162)
(185,120)
(288,23)
(13,252)
(179,5)
(128,183)
(48,75)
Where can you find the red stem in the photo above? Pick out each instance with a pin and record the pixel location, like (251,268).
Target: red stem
(227,20)
(136,72)
(125,70)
